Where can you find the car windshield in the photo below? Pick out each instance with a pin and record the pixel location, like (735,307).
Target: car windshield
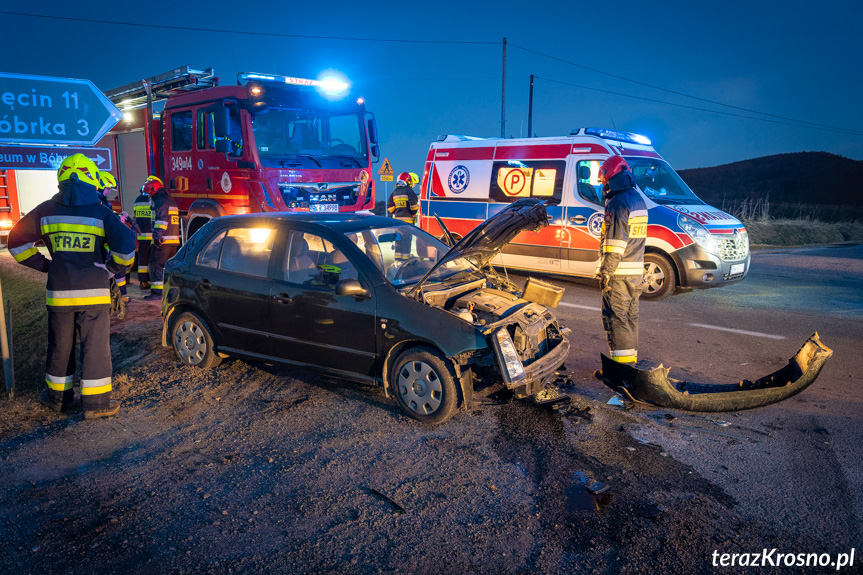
(659,182)
(404,254)
(323,139)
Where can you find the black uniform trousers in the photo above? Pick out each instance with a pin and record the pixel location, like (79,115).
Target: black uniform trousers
(144,261)
(92,329)
(158,257)
(620,317)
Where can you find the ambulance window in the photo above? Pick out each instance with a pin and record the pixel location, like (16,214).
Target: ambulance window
(513,180)
(181,131)
(587,178)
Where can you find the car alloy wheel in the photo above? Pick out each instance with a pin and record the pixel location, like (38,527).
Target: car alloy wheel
(193,343)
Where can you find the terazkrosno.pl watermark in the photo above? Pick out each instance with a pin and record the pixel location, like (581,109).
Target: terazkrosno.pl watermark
(776,558)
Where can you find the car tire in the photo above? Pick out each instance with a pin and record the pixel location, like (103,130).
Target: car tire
(424,385)
(192,341)
(659,277)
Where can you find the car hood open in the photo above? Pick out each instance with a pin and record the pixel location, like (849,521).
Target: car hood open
(489,237)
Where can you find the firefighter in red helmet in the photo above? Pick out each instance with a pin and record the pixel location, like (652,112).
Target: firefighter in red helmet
(621,267)
(403,204)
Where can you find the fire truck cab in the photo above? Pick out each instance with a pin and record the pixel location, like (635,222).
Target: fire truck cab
(690,244)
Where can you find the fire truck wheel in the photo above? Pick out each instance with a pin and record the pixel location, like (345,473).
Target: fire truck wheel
(659,277)
(424,385)
(193,342)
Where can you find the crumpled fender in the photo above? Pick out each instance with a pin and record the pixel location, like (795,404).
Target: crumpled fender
(654,387)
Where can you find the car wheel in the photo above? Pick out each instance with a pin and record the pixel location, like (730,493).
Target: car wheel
(424,385)
(659,277)
(193,342)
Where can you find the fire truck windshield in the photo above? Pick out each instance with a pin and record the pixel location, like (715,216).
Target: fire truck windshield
(310,139)
(660,182)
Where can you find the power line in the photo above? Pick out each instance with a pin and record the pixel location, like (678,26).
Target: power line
(826,129)
(673,91)
(242,32)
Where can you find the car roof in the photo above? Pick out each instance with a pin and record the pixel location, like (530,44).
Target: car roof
(338,222)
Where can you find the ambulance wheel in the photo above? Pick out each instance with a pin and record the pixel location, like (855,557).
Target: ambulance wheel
(424,385)
(659,277)
(193,343)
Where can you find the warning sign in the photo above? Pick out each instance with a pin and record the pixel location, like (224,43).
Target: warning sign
(386,169)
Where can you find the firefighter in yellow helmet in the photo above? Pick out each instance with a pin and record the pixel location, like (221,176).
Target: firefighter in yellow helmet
(75,227)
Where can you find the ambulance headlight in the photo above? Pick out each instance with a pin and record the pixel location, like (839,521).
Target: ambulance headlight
(698,233)
(510,364)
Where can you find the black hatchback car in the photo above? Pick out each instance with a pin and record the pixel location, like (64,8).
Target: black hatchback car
(364,298)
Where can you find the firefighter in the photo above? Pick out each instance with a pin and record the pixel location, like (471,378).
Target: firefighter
(75,228)
(107,185)
(166,236)
(621,269)
(143,218)
(403,205)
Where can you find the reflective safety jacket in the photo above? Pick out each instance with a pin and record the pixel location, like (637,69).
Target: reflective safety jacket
(75,228)
(624,229)
(166,220)
(143,216)
(403,204)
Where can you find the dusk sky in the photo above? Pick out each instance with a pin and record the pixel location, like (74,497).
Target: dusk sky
(794,66)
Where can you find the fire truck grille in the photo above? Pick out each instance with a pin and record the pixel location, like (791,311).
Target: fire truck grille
(734,248)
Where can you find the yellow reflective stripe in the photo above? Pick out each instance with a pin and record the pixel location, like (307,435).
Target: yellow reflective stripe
(121,258)
(80,228)
(625,358)
(62,383)
(95,390)
(637,220)
(170,242)
(154,285)
(142,269)
(145,236)
(121,283)
(161,226)
(613,249)
(628,272)
(173,211)
(70,301)
(20,257)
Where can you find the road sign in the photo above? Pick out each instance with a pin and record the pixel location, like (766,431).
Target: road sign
(386,170)
(50,157)
(45,110)
(386,178)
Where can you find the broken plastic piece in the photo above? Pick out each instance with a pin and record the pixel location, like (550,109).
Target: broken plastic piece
(654,387)
(615,401)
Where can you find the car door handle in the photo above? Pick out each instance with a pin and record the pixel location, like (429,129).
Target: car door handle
(205,283)
(282,298)
(578,219)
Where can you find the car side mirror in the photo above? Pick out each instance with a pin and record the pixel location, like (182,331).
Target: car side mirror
(351,287)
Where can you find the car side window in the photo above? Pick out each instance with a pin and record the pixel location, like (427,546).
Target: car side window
(209,256)
(314,261)
(587,178)
(247,251)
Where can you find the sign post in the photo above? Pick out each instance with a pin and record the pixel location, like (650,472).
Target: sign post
(54,111)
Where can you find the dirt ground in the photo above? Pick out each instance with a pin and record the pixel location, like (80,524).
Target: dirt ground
(256,468)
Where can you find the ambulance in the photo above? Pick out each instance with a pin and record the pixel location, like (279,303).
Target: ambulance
(690,244)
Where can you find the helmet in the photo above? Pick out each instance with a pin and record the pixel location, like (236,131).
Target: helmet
(405,178)
(106,180)
(152,185)
(79,167)
(611,167)
(415,179)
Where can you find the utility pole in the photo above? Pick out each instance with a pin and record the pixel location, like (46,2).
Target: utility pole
(530,110)
(503,96)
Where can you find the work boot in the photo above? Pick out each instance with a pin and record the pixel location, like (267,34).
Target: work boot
(153,297)
(45,399)
(112,409)
(145,286)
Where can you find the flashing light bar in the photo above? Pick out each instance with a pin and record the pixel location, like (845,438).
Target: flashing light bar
(330,85)
(619,136)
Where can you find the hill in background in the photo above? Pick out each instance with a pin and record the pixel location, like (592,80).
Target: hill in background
(815,185)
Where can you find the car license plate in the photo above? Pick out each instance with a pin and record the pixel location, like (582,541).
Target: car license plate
(737,269)
(324,208)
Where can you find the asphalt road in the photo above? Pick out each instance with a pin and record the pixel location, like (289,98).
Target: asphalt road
(806,474)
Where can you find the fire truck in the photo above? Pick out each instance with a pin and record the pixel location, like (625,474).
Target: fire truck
(269,143)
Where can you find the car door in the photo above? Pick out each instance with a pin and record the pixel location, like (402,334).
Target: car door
(583,219)
(313,325)
(235,285)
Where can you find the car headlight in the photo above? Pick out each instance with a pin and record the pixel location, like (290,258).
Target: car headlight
(698,233)
(511,365)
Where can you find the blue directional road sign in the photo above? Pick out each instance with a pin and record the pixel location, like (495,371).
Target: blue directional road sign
(50,157)
(45,110)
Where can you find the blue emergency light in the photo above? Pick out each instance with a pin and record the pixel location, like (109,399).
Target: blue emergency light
(619,136)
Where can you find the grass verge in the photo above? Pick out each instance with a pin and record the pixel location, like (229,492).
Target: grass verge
(787,233)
